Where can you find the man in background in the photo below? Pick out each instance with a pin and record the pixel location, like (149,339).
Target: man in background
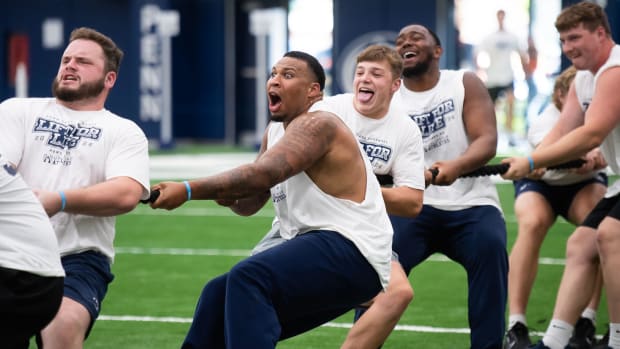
(499,48)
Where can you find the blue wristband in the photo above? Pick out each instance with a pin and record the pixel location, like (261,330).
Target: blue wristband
(189,190)
(63,200)
(531,160)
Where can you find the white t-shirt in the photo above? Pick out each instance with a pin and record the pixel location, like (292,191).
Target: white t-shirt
(439,115)
(27,240)
(393,143)
(499,46)
(539,127)
(585,87)
(56,148)
(301,206)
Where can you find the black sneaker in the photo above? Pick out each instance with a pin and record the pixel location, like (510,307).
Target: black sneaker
(517,337)
(603,343)
(583,335)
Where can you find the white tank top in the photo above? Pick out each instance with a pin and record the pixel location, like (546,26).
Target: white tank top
(301,206)
(439,114)
(585,87)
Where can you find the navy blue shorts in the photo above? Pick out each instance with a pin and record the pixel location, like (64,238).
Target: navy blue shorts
(87,280)
(281,292)
(559,197)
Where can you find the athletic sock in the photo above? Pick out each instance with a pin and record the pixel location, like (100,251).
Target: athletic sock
(514,318)
(614,336)
(590,313)
(557,335)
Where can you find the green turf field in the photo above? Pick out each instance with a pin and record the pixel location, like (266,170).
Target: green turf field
(164,259)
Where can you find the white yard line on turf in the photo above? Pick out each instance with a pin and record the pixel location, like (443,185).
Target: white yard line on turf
(407,328)
(169,319)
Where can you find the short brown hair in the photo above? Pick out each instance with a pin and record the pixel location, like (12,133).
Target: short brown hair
(562,85)
(378,53)
(113,55)
(590,14)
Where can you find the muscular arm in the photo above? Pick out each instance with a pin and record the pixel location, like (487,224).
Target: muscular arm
(249,205)
(110,198)
(481,129)
(602,116)
(306,140)
(480,124)
(403,201)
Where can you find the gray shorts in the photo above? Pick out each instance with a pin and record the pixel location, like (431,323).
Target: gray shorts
(271,239)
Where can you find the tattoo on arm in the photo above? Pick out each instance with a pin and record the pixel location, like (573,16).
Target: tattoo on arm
(306,141)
